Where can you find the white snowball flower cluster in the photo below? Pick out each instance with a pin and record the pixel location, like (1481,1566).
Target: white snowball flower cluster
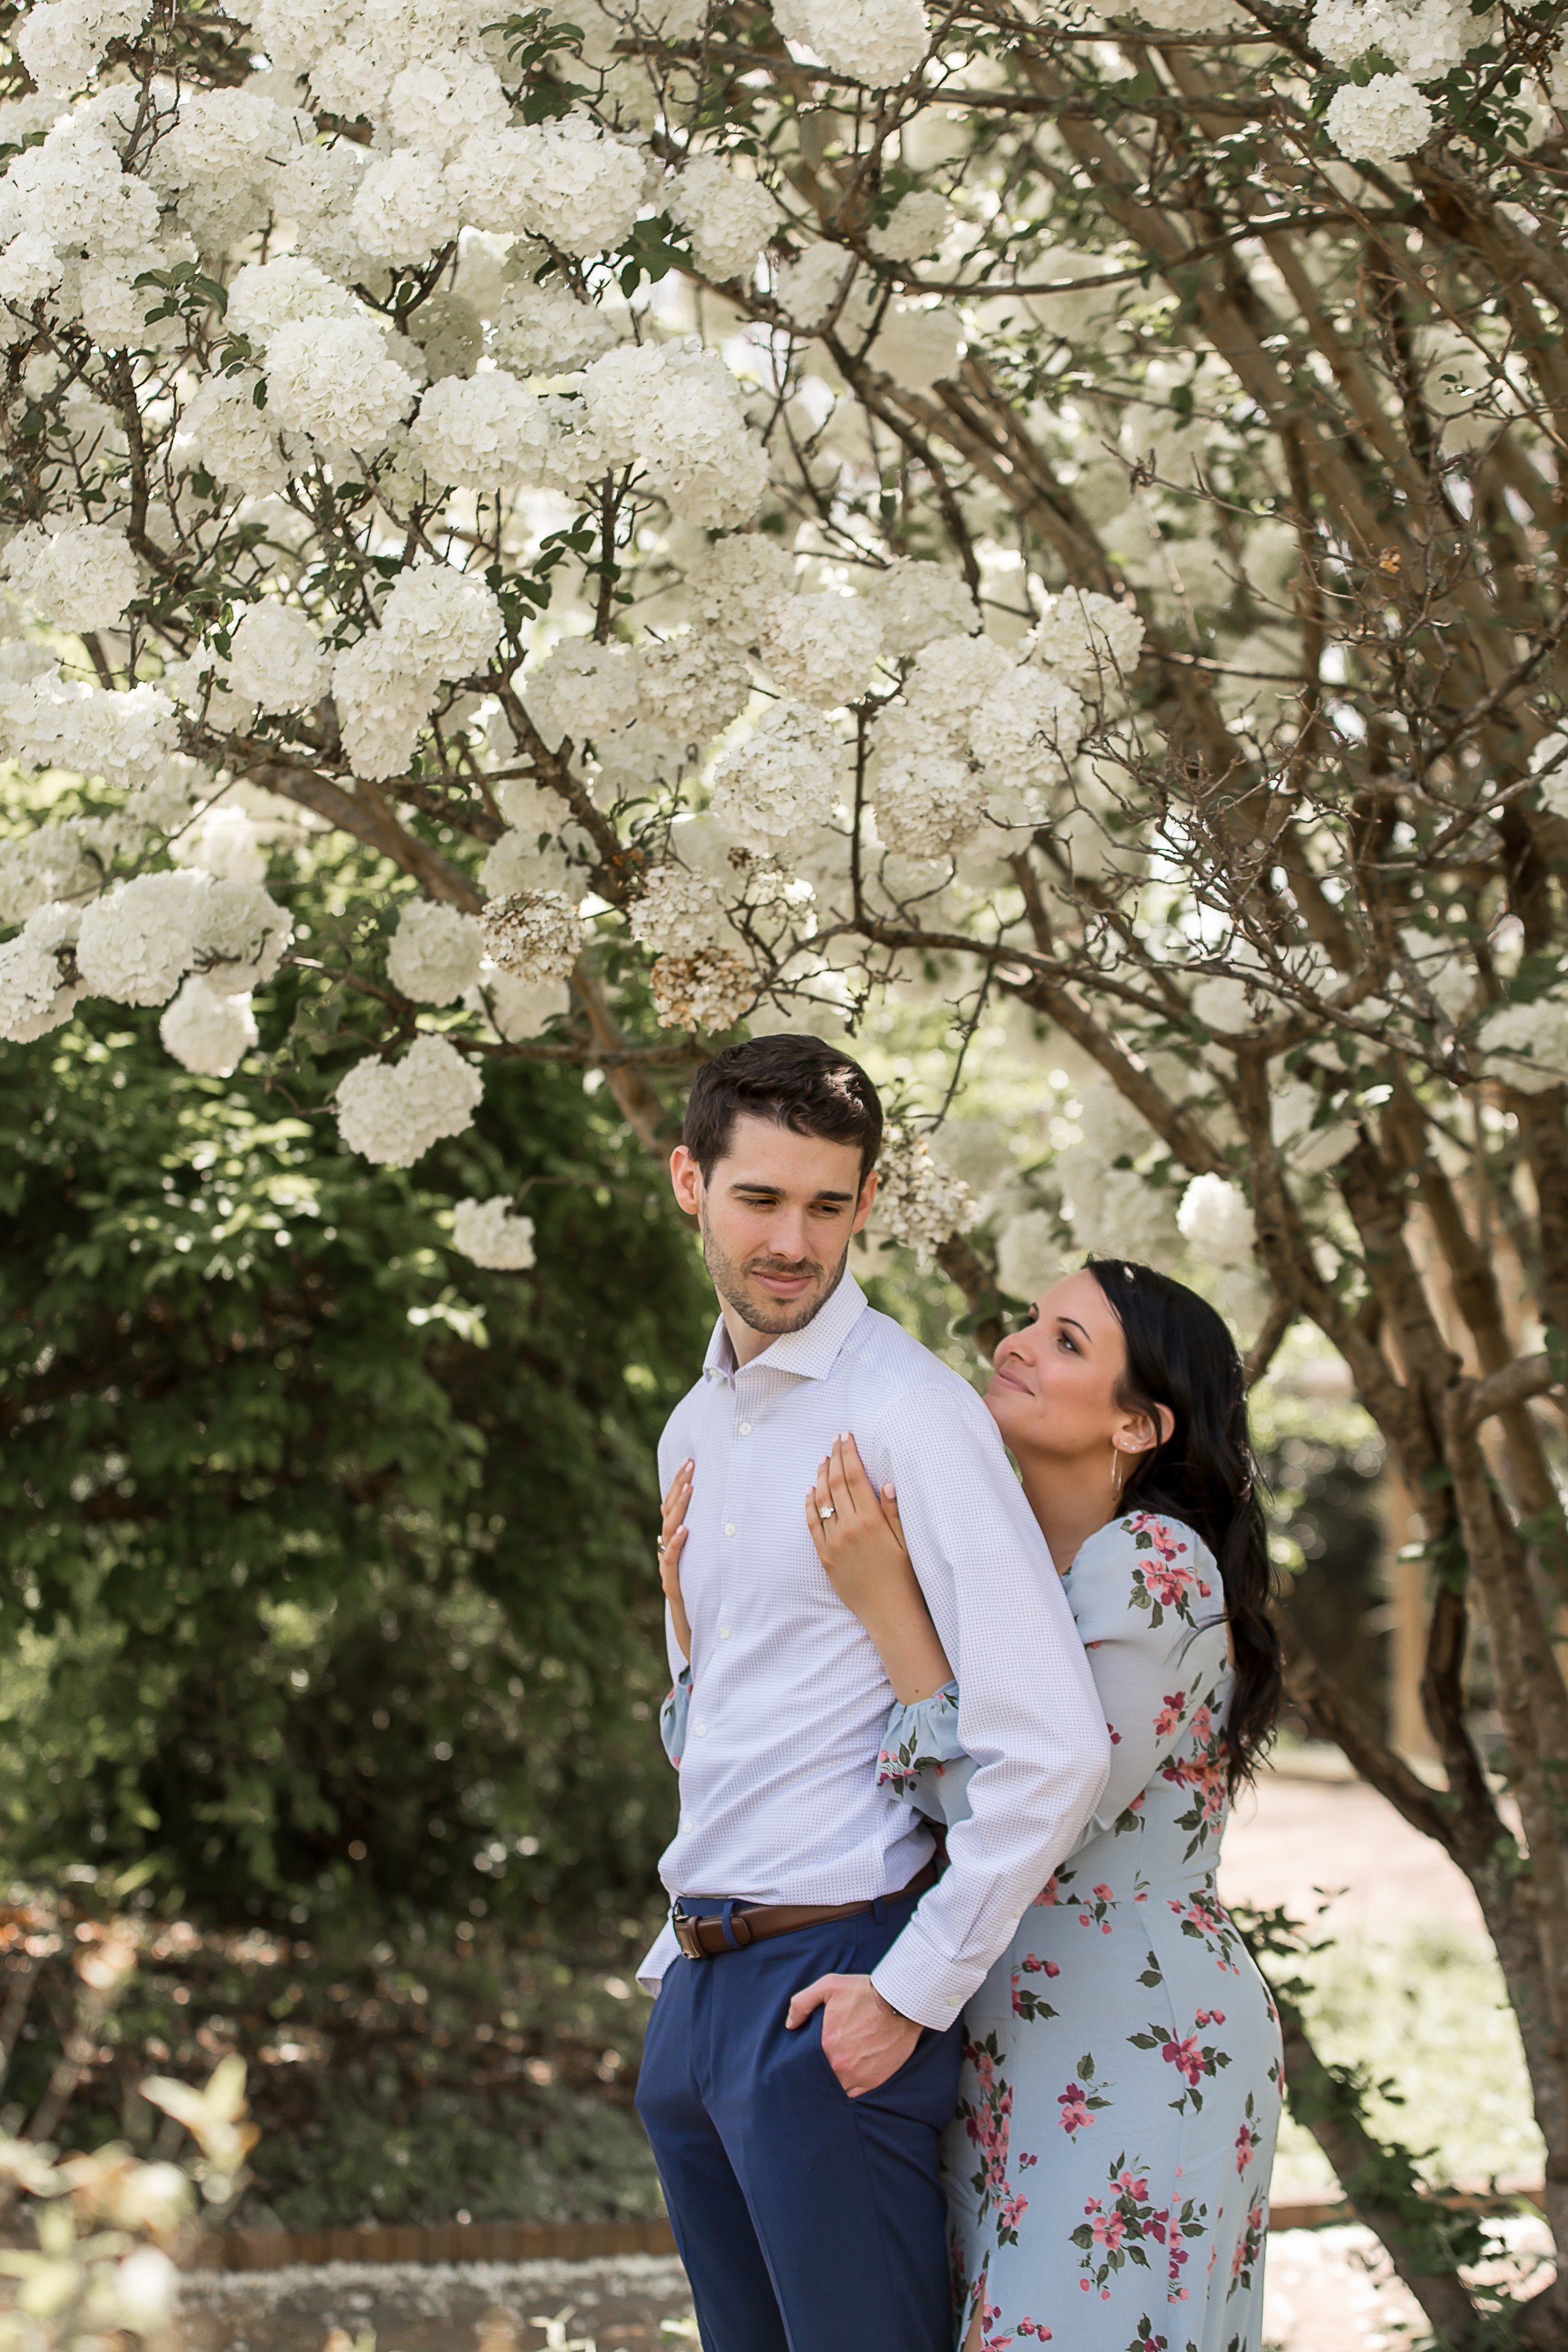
(39,988)
(1308,1147)
(1026,733)
(335,379)
(404,210)
(1215,1220)
(222,429)
(537,935)
(545,330)
(673,410)
(80,577)
(517,862)
(821,649)
(443,101)
(1526,1045)
(217,160)
(206,1033)
(1089,640)
(521,1009)
(690,688)
(928,801)
(1028,1254)
(62,42)
(952,677)
(915,227)
(1425,41)
(267,295)
(564,181)
(224,842)
(709,989)
(678,912)
(916,603)
(437,623)
(875,41)
(484,432)
(919,1202)
(1379,121)
(739,581)
(492,1235)
(729,219)
(783,781)
(1117,1213)
(436,952)
(276,660)
(55,861)
(584,690)
(64,200)
(139,940)
(392,1112)
(124,735)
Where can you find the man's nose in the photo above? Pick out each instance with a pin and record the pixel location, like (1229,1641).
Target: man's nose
(787,1234)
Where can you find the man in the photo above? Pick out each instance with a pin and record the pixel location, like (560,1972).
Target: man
(803,2055)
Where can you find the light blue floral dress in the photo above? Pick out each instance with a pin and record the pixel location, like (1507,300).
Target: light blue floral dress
(1108,2170)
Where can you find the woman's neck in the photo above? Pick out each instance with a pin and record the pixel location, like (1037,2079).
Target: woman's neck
(1070,1501)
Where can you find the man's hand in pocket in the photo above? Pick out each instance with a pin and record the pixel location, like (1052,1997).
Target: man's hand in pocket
(863,2040)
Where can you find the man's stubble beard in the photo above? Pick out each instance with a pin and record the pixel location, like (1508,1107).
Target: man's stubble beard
(775,1317)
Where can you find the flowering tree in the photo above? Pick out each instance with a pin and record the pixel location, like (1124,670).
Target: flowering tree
(742,515)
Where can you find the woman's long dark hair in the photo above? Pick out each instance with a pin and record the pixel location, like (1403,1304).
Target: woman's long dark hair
(1180,1354)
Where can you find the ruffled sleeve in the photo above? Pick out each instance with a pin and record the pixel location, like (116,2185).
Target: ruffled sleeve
(921,1761)
(673,1715)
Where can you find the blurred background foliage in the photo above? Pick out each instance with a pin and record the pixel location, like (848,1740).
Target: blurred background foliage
(327,1572)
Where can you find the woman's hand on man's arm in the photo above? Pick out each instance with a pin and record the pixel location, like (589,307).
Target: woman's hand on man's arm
(859,1540)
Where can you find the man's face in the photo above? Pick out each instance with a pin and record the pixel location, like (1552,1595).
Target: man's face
(776,1215)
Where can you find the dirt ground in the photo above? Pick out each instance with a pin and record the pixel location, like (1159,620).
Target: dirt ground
(1303,1835)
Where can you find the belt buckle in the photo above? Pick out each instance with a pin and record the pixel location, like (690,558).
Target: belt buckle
(686,1934)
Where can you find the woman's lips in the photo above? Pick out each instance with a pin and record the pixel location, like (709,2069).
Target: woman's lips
(1002,1379)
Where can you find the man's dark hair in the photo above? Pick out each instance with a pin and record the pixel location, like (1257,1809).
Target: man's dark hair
(797,1082)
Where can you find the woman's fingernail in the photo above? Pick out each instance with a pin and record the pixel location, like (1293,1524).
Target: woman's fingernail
(890,1491)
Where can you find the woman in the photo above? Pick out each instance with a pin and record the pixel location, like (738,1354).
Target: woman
(1108,2168)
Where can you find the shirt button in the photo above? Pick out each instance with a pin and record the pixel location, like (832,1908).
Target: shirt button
(745,1429)
(724,1635)
(702,1731)
(729,1530)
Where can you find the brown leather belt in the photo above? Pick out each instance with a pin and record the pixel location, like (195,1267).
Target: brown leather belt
(704,1939)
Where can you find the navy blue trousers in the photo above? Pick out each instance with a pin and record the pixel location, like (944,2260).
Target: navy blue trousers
(808,2221)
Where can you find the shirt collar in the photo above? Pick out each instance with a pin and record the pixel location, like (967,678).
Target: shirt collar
(811,1352)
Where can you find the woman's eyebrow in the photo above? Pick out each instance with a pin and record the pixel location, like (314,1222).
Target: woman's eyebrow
(1074,1321)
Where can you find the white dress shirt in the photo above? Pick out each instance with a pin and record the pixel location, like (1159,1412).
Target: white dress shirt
(779,1800)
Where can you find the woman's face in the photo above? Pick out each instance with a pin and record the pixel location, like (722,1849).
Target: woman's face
(1053,1390)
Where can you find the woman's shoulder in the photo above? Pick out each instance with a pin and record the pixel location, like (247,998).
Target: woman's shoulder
(1150,1562)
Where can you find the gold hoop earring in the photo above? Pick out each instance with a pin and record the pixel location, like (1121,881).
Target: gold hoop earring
(1118,1469)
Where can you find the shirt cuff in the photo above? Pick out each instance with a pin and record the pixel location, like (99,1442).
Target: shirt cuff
(917,1981)
(650,1970)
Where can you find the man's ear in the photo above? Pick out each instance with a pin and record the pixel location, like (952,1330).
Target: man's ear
(686,1180)
(863,1207)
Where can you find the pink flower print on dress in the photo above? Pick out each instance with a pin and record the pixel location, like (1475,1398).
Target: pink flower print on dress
(1037,2329)
(1192,2060)
(1163,1578)
(1026,2002)
(1047,1894)
(1083,2098)
(1074,2105)
(1186,2054)
(1169,1714)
